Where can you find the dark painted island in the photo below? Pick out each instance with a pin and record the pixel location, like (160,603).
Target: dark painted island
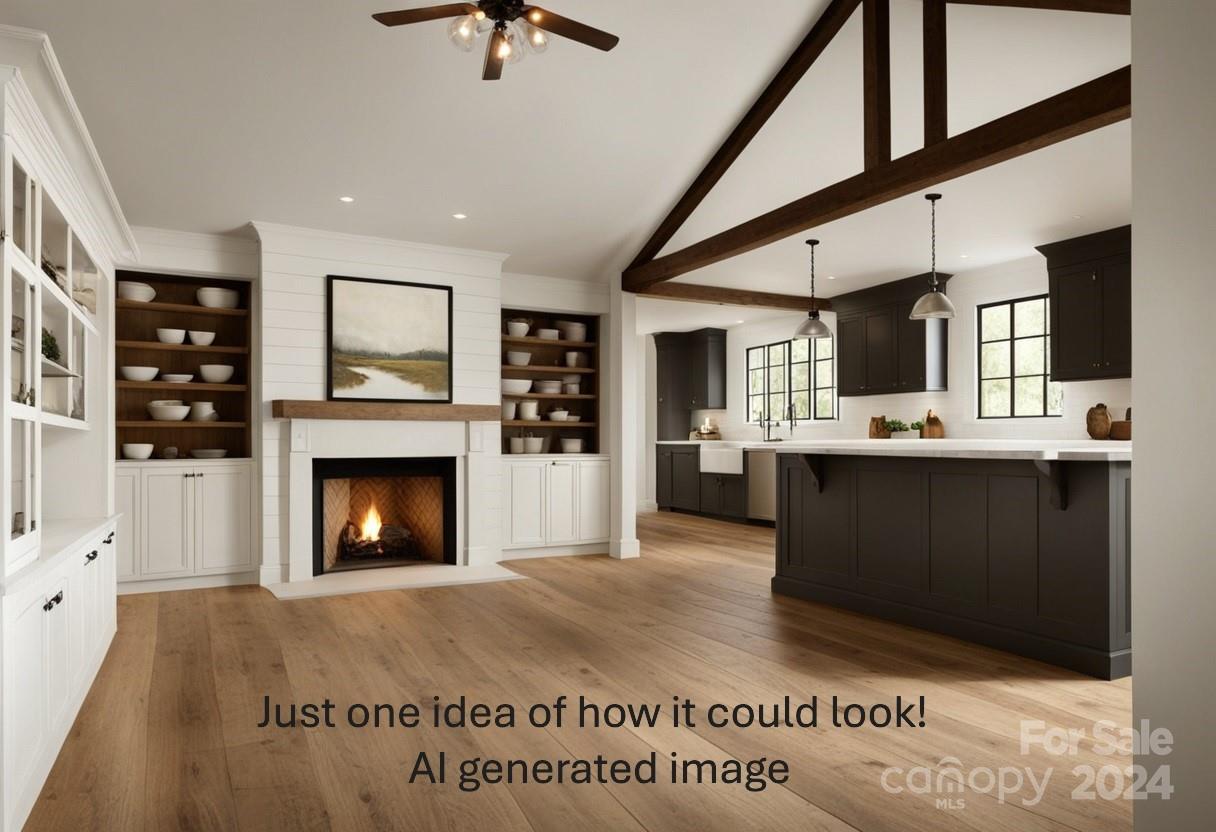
(1017,545)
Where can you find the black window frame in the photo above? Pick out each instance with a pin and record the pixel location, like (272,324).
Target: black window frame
(813,380)
(1011,340)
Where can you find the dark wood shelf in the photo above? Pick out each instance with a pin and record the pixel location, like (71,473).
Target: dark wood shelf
(157,345)
(385,411)
(185,386)
(533,341)
(586,397)
(521,423)
(152,423)
(559,371)
(188,308)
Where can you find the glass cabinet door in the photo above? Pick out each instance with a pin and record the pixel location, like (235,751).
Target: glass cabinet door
(23,352)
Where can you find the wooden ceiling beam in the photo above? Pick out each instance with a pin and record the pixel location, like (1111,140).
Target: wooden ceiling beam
(1087,107)
(812,46)
(732,297)
(876,60)
(1096,6)
(936,122)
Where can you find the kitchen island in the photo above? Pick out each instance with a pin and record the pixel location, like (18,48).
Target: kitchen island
(1019,545)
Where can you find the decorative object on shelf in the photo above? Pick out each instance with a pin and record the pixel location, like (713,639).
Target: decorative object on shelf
(514,29)
(558,414)
(549,334)
(138,373)
(85,297)
(170,452)
(1098,422)
(546,386)
(572,446)
(216,373)
(529,411)
(516,386)
(168,411)
(389,341)
(133,290)
(508,410)
(519,359)
(706,431)
(575,360)
(202,411)
(894,426)
(137,450)
(918,427)
(1121,430)
(571,330)
(50,346)
(201,338)
(534,444)
(214,297)
(571,388)
(177,378)
(812,327)
(518,327)
(933,304)
(209,453)
(515,444)
(56,273)
(170,336)
(878,428)
(933,427)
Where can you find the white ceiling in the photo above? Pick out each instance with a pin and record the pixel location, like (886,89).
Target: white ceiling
(208,115)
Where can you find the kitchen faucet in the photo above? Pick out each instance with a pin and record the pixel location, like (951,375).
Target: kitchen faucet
(768,424)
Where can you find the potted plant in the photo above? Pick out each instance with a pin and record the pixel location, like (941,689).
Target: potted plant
(919,427)
(897,429)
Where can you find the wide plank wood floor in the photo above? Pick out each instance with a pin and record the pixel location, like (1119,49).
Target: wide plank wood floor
(167,738)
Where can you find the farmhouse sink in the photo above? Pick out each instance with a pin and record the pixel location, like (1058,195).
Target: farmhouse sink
(721,460)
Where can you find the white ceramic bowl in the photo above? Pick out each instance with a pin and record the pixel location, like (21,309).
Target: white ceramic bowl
(177,378)
(534,444)
(516,386)
(519,359)
(216,373)
(572,389)
(572,378)
(516,444)
(547,386)
(201,411)
(558,415)
(168,412)
(139,373)
(548,334)
(214,297)
(209,453)
(572,446)
(165,402)
(574,417)
(518,329)
(575,359)
(201,337)
(171,336)
(136,450)
(529,411)
(571,330)
(132,290)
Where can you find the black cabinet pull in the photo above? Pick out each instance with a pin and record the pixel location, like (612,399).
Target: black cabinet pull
(48,606)
(90,557)
(53,602)
(109,539)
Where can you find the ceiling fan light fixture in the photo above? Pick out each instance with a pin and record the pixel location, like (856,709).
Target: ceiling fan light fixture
(462,32)
(536,39)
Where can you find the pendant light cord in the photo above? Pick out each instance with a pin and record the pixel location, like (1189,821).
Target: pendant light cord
(933,198)
(814,305)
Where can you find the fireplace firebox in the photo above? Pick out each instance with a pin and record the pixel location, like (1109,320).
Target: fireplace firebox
(373,513)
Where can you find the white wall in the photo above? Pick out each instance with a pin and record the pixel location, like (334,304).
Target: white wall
(1173,299)
(294,265)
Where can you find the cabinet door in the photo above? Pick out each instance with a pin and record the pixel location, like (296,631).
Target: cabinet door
(126,503)
(686,479)
(1076,323)
(166,518)
(881,371)
(734,496)
(223,520)
(562,504)
(707,369)
(1117,317)
(59,674)
(25,692)
(711,493)
(85,610)
(594,511)
(526,503)
(851,347)
(662,476)
(911,350)
(672,387)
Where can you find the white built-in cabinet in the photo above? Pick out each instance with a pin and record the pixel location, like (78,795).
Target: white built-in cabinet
(555,502)
(188,519)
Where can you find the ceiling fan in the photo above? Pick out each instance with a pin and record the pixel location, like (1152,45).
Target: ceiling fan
(514,27)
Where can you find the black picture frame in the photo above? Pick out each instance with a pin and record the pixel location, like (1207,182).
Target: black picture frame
(331,282)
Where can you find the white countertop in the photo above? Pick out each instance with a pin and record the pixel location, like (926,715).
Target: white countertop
(1061,450)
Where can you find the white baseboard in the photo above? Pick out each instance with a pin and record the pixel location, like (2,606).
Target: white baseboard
(556,551)
(625,549)
(179,584)
(274,574)
(647,506)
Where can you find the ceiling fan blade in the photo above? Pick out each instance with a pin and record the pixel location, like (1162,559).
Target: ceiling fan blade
(494,60)
(567,28)
(400,18)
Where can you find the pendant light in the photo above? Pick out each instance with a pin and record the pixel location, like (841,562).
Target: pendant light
(934,303)
(812,327)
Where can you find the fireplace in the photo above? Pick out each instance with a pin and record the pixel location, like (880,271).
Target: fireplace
(375,513)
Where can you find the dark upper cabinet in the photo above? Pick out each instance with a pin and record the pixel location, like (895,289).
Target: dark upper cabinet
(690,374)
(1090,289)
(880,350)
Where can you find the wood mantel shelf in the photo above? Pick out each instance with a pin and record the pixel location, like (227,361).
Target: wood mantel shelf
(385,411)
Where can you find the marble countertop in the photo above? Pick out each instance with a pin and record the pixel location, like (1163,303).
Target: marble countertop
(1058,450)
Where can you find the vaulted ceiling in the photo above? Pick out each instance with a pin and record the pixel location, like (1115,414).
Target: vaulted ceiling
(208,115)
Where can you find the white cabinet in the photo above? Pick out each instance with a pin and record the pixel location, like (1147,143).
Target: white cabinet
(556,502)
(126,503)
(25,687)
(190,519)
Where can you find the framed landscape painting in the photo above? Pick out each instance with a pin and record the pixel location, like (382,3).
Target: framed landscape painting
(388,341)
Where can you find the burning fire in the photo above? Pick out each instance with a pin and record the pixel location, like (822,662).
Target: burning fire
(371,525)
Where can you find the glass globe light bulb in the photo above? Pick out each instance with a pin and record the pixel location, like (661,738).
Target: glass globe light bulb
(462,31)
(514,44)
(537,39)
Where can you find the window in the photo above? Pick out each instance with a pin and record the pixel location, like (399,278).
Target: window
(1014,357)
(796,372)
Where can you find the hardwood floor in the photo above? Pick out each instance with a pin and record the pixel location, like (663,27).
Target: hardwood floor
(168,737)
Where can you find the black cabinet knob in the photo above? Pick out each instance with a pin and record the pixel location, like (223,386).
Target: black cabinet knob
(91,556)
(109,538)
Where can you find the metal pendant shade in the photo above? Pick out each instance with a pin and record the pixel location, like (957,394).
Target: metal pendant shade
(934,303)
(811,326)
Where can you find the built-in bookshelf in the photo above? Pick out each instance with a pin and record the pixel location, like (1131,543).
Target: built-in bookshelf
(136,344)
(550,363)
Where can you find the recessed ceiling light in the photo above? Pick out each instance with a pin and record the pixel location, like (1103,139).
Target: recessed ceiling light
(738,322)
(831,277)
(346,199)
(1076,216)
(964,256)
(460,216)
